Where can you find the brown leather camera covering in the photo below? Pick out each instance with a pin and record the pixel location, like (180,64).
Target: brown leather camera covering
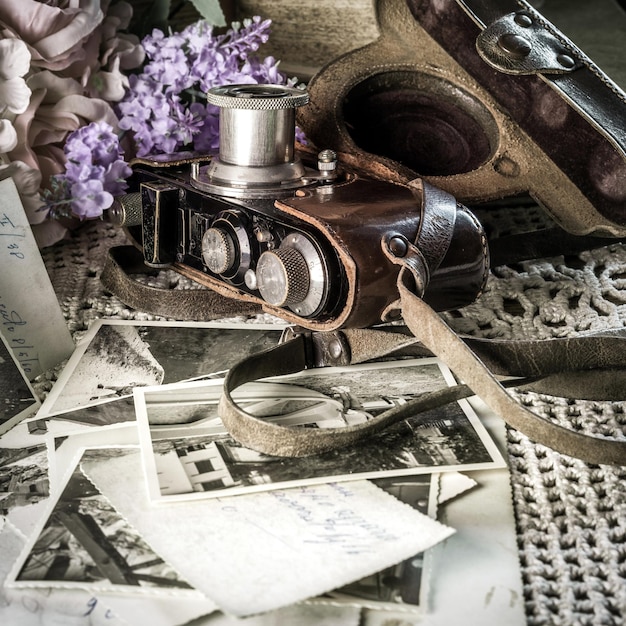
(357,220)
(355,217)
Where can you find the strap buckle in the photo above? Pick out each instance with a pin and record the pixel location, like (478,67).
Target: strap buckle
(321,349)
(519,43)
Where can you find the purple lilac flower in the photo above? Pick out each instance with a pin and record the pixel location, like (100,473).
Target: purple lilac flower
(89,198)
(97,142)
(165,108)
(95,172)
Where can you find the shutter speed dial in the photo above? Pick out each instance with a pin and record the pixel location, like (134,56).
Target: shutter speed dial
(226,247)
(293,275)
(218,250)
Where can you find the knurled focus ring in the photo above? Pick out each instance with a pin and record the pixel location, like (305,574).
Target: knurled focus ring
(257,97)
(295,271)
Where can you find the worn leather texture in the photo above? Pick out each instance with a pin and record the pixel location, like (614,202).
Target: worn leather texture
(354,221)
(601,354)
(423,95)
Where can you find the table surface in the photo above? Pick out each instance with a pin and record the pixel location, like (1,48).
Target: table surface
(571,517)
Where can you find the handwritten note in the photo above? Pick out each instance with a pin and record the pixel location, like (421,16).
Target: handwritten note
(262,551)
(30,317)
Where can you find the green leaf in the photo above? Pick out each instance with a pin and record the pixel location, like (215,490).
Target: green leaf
(154,15)
(211,11)
(159,10)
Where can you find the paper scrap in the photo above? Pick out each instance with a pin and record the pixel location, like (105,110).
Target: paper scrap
(259,552)
(453,484)
(156,611)
(30,316)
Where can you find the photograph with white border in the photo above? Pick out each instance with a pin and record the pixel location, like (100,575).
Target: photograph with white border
(83,542)
(403,586)
(188,454)
(115,356)
(19,398)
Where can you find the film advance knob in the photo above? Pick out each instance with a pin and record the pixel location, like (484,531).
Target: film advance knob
(218,250)
(282,276)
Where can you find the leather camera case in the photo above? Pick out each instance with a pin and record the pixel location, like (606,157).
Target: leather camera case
(485,99)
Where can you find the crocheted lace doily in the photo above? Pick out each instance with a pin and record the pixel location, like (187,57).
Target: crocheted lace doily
(571,517)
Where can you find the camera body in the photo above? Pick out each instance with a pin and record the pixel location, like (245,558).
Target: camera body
(304,235)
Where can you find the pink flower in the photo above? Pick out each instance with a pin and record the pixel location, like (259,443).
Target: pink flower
(107,52)
(57,107)
(72,55)
(54,32)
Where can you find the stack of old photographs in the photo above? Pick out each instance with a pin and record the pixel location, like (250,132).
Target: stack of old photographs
(124,498)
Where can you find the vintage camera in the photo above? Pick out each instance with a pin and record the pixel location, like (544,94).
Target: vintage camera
(311,239)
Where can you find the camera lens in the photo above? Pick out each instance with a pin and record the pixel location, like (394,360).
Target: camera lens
(257,123)
(257,91)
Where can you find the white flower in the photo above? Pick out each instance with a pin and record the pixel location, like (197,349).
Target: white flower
(14,58)
(14,64)
(14,95)
(8,136)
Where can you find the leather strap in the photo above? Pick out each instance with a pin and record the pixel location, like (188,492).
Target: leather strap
(580,81)
(599,353)
(591,363)
(437,336)
(274,439)
(189,304)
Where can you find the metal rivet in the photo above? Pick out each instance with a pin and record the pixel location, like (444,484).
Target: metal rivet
(515,45)
(506,167)
(335,349)
(566,61)
(398,246)
(523,19)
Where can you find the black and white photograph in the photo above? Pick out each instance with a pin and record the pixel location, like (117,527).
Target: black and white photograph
(402,585)
(19,398)
(64,447)
(118,355)
(84,542)
(104,413)
(23,477)
(189,455)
